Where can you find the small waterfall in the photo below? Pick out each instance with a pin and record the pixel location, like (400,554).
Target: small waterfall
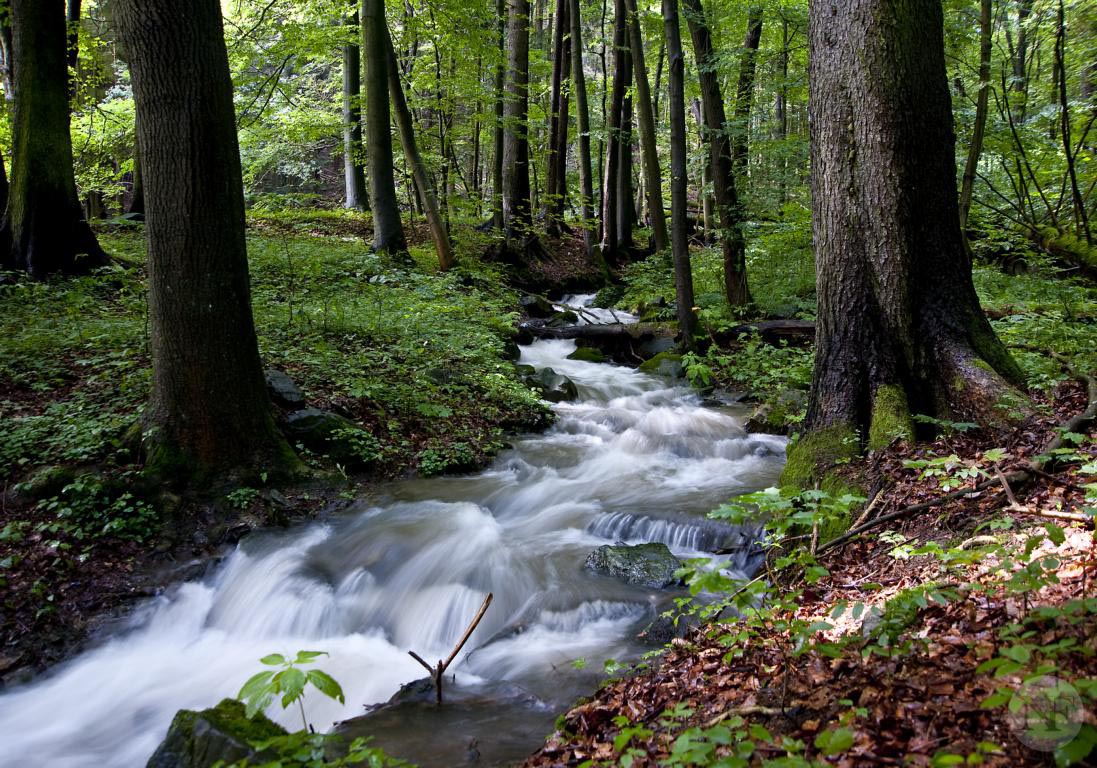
(633,459)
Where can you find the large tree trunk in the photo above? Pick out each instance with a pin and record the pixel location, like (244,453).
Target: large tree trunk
(679,212)
(744,92)
(582,116)
(900,330)
(517,211)
(626,201)
(728,208)
(44,221)
(653,181)
(405,126)
(388,230)
(353,173)
(975,149)
(499,134)
(209,414)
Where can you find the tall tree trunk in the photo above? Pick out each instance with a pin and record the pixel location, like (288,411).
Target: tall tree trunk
(582,116)
(353,173)
(975,149)
(679,212)
(781,115)
(209,414)
(1081,220)
(626,208)
(614,110)
(728,208)
(708,203)
(744,92)
(516,189)
(44,221)
(388,230)
(7,46)
(653,182)
(405,126)
(1020,57)
(553,208)
(900,330)
(500,138)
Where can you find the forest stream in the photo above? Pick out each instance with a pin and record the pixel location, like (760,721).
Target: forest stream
(635,459)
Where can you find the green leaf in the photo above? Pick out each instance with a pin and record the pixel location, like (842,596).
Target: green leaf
(834,741)
(273,660)
(304,657)
(326,684)
(255,685)
(996,699)
(291,684)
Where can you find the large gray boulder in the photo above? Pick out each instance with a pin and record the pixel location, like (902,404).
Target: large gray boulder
(221,733)
(647,565)
(554,387)
(281,388)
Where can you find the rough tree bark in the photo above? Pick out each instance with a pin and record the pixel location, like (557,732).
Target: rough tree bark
(388,230)
(353,173)
(726,195)
(582,117)
(612,163)
(406,127)
(517,210)
(653,182)
(679,228)
(900,330)
(209,415)
(43,222)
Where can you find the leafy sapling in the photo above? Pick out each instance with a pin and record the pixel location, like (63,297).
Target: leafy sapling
(289,683)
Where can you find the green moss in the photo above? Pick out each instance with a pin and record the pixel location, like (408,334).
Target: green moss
(815,452)
(587,354)
(229,717)
(890,417)
(665,363)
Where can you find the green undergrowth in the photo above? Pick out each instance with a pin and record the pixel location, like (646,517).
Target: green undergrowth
(417,357)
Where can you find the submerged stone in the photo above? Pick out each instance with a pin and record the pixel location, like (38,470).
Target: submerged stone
(221,733)
(588,355)
(647,565)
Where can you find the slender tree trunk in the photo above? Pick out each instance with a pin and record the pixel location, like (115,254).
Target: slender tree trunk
(553,205)
(728,208)
(388,230)
(582,116)
(975,149)
(744,92)
(679,212)
(1081,220)
(1020,58)
(900,329)
(614,110)
(516,187)
(44,221)
(7,46)
(626,210)
(209,414)
(653,183)
(781,115)
(353,172)
(500,138)
(404,124)
(708,203)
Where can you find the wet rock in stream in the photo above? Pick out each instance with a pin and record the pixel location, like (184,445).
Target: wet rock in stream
(647,565)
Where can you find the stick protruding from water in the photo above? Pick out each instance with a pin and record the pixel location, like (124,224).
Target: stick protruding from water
(436,672)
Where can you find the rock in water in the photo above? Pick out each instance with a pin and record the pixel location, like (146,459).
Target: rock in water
(281,388)
(222,733)
(648,565)
(535,306)
(555,387)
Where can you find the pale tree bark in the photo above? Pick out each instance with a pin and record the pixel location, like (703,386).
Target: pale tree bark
(209,415)
(679,212)
(582,117)
(653,182)
(388,229)
(899,328)
(44,222)
(517,210)
(728,209)
(406,128)
(354,175)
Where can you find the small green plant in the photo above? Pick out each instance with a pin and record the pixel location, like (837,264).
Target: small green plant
(242,498)
(287,683)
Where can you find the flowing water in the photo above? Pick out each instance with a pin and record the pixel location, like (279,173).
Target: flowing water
(634,459)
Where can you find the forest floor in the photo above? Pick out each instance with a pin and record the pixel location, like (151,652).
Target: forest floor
(418,360)
(926,641)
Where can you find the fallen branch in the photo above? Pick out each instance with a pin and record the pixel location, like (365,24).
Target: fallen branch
(436,672)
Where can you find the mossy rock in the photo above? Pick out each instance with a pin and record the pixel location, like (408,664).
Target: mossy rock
(46,482)
(587,355)
(664,364)
(647,565)
(554,387)
(221,733)
(328,433)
